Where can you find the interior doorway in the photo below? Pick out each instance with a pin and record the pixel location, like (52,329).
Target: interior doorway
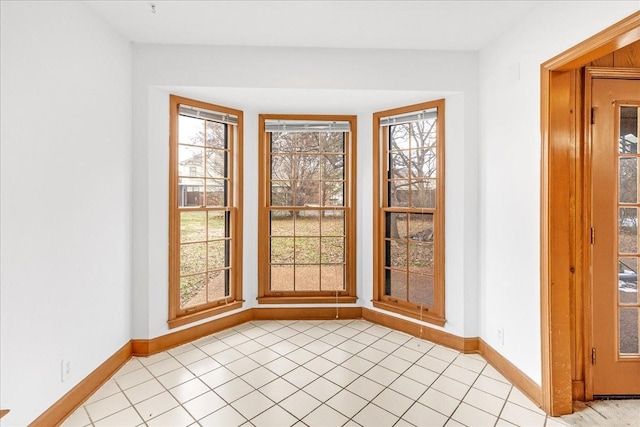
(565,226)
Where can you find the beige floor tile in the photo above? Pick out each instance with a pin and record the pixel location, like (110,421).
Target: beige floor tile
(419,345)
(381,375)
(133,378)
(372,354)
(393,402)
(470,363)
(156,405)
(158,357)
(144,391)
(365,388)
(126,417)
(341,376)
(242,366)
(203,405)
(177,417)
(432,363)
(408,387)
(203,366)
(347,403)
(107,406)
(444,354)
(259,377)
(226,416)
(300,404)
(301,340)
(518,415)
(407,354)
(420,415)
(470,416)
(300,377)
(177,377)
(395,364)
(336,355)
(191,356)
(387,347)
(372,415)
(357,364)
(252,404)
(491,372)
(217,377)
(421,375)
(233,390)
(322,389)
(281,366)
(463,375)
(365,338)
(181,349)
(324,416)
(189,390)
(274,417)
(351,346)
(485,401)
(517,397)
(164,366)
(450,387)
(301,356)
(439,402)
(108,389)
(491,386)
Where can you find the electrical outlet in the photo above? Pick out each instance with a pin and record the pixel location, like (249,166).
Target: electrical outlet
(500,336)
(66,369)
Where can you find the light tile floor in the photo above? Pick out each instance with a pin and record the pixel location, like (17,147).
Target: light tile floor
(309,373)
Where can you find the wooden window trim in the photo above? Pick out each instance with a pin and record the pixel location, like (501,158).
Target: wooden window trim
(435,315)
(179,317)
(265,296)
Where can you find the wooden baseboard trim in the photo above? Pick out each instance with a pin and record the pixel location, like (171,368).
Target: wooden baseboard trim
(141,347)
(511,372)
(311,313)
(464,345)
(68,403)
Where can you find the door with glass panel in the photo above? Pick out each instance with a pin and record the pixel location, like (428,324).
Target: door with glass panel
(615,356)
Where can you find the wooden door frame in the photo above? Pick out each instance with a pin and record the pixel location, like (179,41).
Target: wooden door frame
(563,223)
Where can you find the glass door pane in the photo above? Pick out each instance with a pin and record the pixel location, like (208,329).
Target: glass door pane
(628,304)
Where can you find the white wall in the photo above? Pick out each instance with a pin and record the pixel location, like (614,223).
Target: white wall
(289,80)
(510,168)
(66,200)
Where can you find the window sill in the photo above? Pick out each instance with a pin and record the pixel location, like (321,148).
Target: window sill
(199,315)
(415,314)
(306,300)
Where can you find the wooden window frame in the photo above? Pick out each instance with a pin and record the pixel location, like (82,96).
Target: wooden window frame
(265,295)
(435,314)
(178,316)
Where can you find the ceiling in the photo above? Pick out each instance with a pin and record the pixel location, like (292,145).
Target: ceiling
(438,25)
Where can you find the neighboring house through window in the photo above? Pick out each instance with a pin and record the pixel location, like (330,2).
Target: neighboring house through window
(205,210)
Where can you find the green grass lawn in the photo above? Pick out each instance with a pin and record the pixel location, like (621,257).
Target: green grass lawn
(308,240)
